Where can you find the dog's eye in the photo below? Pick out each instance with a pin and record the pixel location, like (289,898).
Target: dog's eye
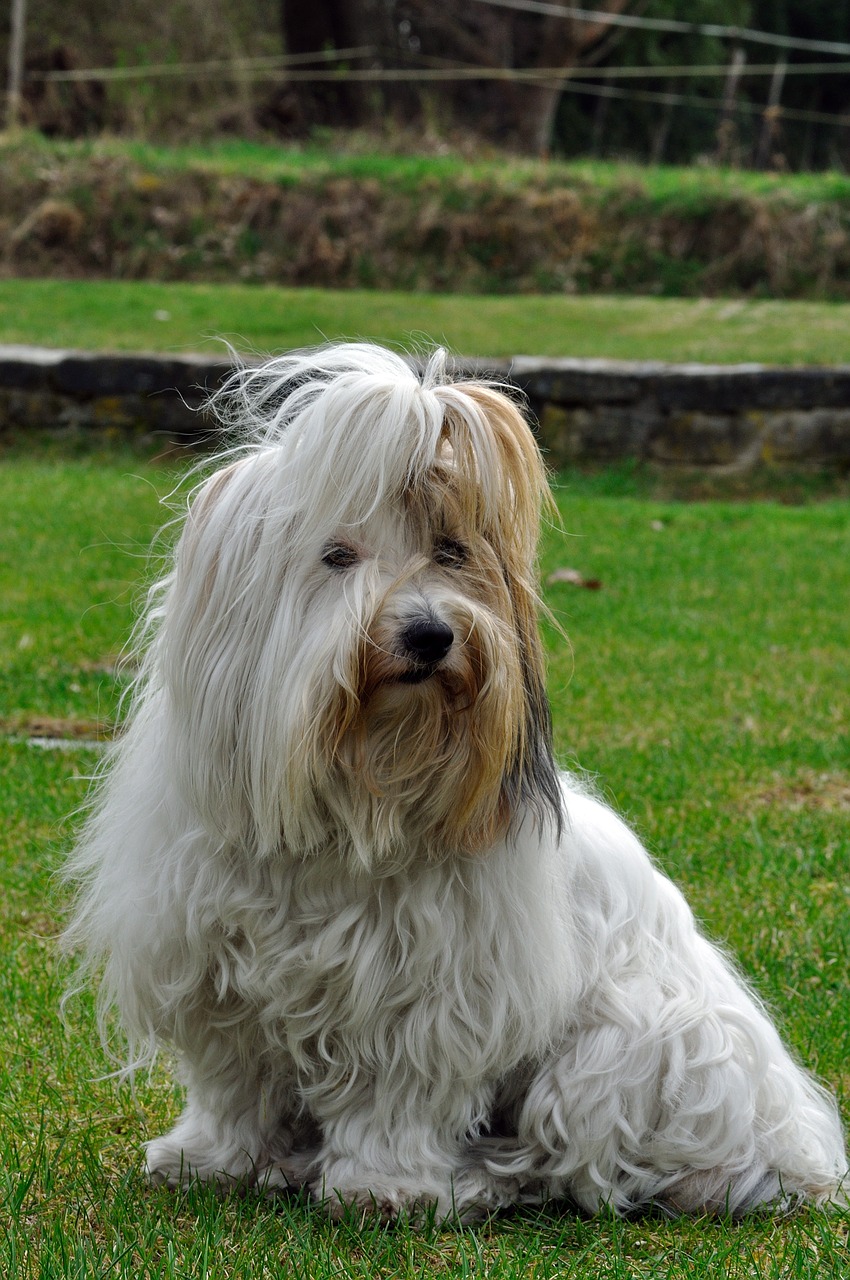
(450,554)
(339,555)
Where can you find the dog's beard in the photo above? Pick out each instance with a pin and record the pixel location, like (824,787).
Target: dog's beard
(423,759)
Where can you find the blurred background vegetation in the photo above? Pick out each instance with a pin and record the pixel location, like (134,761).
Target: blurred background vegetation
(499,146)
(665,110)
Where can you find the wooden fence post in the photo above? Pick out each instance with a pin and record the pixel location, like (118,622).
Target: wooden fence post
(771,117)
(16,63)
(726,132)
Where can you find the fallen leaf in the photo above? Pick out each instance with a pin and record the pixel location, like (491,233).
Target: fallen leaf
(574,578)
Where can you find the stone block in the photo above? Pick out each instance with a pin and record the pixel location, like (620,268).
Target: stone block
(116,375)
(28,410)
(579,382)
(818,438)
(27,368)
(601,433)
(705,439)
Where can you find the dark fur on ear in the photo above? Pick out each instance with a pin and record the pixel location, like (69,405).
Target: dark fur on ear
(532,779)
(533,783)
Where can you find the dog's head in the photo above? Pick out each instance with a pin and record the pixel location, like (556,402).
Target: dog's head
(349,640)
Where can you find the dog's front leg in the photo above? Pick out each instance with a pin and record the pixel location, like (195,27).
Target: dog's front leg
(410,1160)
(394,1161)
(235,1128)
(390,1191)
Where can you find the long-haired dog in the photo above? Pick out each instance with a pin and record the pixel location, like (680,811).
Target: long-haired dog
(332,864)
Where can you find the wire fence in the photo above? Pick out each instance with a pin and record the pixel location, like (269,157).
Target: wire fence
(673,26)
(573,80)
(369,65)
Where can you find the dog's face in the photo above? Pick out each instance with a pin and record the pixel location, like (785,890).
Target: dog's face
(426,718)
(351,640)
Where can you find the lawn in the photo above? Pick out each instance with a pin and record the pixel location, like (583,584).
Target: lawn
(150,316)
(704,687)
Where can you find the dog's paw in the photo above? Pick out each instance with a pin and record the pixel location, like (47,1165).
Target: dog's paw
(287,1174)
(372,1195)
(165,1163)
(172,1161)
(477,1194)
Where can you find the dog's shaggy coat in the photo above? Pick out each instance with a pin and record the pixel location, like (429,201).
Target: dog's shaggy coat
(332,863)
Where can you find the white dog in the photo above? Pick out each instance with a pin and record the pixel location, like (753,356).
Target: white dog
(332,864)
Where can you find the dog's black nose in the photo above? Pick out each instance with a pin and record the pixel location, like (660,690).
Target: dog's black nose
(427,640)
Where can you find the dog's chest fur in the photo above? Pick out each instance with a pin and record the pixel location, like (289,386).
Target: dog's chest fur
(426,971)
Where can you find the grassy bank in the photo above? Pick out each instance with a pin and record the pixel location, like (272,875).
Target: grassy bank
(369,219)
(699,687)
(147,316)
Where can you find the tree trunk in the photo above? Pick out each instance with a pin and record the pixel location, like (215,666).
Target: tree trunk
(313,26)
(536,119)
(560,43)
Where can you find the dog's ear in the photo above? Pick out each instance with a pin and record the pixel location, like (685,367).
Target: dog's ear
(503,488)
(219,612)
(503,464)
(508,490)
(220,533)
(206,499)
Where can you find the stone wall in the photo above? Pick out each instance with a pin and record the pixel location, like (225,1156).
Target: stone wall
(67,391)
(730,417)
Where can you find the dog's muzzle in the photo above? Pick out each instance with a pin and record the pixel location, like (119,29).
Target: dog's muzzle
(426,641)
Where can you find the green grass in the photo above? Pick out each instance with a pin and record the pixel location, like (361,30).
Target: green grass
(397,158)
(138,316)
(704,687)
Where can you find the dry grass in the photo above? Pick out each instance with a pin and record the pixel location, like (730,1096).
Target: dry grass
(107,209)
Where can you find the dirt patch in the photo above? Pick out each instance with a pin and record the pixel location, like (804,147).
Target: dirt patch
(828,792)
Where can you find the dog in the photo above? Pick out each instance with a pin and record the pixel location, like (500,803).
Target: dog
(404,961)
